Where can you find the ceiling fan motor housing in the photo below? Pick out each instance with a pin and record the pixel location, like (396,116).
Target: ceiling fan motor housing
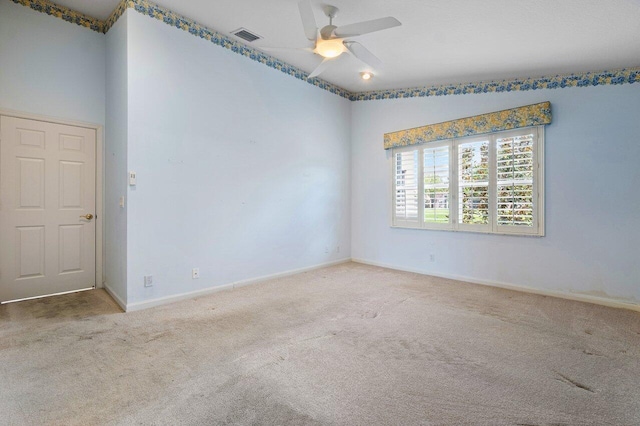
(331,11)
(327,32)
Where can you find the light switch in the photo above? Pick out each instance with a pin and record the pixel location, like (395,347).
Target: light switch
(132,178)
(122,201)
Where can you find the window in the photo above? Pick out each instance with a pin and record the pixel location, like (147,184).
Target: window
(406,184)
(436,184)
(492,183)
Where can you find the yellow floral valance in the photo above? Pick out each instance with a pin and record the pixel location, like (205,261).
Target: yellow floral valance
(530,115)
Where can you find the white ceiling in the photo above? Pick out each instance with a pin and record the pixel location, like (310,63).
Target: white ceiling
(440,41)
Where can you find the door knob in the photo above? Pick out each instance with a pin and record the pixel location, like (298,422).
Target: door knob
(87,216)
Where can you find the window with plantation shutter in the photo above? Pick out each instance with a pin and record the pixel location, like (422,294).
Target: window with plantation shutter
(473,183)
(515,172)
(406,186)
(436,172)
(492,183)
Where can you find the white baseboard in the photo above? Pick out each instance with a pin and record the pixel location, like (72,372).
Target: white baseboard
(115,297)
(613,303)
(138,306)
(237,284)
(290,272)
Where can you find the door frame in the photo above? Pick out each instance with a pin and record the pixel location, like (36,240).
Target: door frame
(99,190)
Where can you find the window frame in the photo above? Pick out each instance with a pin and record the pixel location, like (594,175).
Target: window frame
(537,229)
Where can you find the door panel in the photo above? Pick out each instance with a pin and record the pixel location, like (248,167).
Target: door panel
(47,182)
(71,143)
(30,191)
(70,238)
(31,137)
(71,185)
(30,251)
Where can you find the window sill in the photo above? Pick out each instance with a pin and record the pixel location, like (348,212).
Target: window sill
(468,231)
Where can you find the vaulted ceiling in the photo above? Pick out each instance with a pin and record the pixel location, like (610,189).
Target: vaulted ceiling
(440,41)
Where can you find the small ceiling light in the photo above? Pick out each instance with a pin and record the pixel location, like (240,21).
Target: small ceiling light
(366,75)
(330,48)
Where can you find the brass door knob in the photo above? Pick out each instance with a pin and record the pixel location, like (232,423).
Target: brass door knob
(87,216)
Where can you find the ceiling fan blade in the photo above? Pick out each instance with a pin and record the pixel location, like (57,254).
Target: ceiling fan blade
(362,53)
(308,20)
(366,27)
(287,49)
(321,68)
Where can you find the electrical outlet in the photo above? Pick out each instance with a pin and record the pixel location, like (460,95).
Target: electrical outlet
(326,250)
(432,257)
(148,281)
(195,273)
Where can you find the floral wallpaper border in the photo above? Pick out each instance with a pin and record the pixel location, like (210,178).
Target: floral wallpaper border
(117,13)
(613,77)
(64,13)
(616,77)
(508,119)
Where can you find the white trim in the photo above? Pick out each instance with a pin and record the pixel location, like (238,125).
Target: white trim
(393,188)
(115,297)
(100,150)
(48,119)
(540,177)
(138,306)
(237,284)
(465,231)
(99,190)
(596,300)
(250,281)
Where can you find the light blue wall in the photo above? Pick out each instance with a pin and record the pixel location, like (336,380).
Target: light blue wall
(592,242)
(242,170)
(115,269)
(50,67)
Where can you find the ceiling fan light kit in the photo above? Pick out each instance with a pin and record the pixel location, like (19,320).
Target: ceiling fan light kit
(332,41)
(331,48)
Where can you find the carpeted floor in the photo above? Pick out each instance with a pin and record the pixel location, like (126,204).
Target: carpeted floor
(350,345)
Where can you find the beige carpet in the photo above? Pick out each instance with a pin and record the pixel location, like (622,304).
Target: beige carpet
(350,345)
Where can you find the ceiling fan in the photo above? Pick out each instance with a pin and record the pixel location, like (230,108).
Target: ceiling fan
(331,41)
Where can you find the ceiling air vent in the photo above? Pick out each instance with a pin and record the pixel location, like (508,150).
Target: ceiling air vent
(246,35)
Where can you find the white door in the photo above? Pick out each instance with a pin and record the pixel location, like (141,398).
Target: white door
(47,208)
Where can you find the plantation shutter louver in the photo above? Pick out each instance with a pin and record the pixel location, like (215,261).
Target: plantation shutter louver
(406,186)
(473,183)
(515,176)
